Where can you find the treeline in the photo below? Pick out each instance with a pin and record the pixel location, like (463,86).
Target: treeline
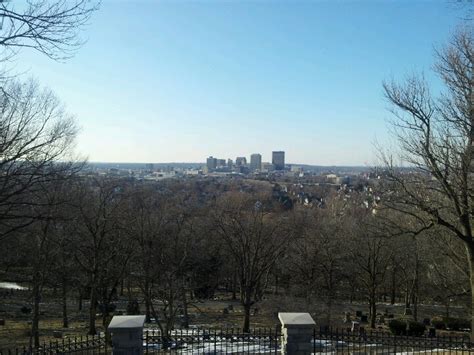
(176,242)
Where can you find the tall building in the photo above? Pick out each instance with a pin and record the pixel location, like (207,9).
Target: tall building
(240,161)
(230,163)
(211,163)
(220,163)
(256,162)
(278,160)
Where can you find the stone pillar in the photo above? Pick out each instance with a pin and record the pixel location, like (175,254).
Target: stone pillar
(296,333)
(127,335)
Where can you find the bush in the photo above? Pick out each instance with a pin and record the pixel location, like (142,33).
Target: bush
(416,329)
(133,308)
(25,310)
(398,327)
(438,323)
(403,327)
(451,323)
(457,323)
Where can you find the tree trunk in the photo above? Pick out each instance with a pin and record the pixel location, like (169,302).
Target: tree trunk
(373,306)
(185,323)
(92,311)
(64,294)
(79,303)
(393,291)
(373,313)
(35,320)
(276,284)
(146,289)
(329,309)
(246,327)
(470,254)
(234,285)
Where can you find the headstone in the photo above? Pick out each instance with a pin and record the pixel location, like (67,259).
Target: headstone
(225,311)
(347,317)
(58,334)
(355,327)
(432,332)
(230,307)
(127,333)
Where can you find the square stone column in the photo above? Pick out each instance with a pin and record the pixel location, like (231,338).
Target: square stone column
(296,333)
(127,335)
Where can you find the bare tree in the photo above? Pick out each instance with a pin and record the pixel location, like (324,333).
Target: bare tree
(255,238)
(36,141)
(49,27)
(436,137)
(316,257)
(102,250)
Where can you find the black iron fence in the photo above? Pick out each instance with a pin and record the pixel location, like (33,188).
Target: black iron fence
(259,341)
(330,341)
(212,341)
(82,345)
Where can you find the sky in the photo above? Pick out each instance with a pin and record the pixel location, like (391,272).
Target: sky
(177,81)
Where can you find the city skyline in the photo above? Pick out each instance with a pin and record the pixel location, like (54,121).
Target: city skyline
(227,77)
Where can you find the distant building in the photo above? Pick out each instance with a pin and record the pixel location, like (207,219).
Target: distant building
(230,163)
(211,163)
(241,161)
(221,163)
(268,167)
(278,160)
(296,169)
(256,162)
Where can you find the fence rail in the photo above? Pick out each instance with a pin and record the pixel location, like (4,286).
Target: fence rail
(212,341)
(344,342)
(83,345)
(258,341)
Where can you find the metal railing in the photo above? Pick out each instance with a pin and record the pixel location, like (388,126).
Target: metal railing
(258,341)
(212,341)
(81,345)
(331,341)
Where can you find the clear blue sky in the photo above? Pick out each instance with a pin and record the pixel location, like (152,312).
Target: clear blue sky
(166,81)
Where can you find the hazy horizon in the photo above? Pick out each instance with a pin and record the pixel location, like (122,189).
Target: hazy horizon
(180,81)
(204,163)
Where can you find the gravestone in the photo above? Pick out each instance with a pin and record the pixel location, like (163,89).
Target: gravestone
(347,317)
(432,332)
(355,327)
(57,334)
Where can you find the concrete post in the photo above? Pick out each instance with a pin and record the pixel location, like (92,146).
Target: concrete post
(127,335)
(297,333)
